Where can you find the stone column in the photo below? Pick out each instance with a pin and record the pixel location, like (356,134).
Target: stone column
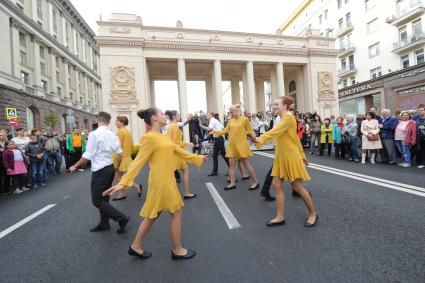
(218,88)
(54,83)
(209,91)
(35,41)
(251,103)
(273,84)
(244,105)
(280,79)
(236,91)
(15,50)
(260,95)
(181,66)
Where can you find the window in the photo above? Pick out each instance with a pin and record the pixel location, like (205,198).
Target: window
(43,85)
(67,32)
(349,40)
(81,100)
(419,54)
(353,80)
(405,61)
(417,27)
(320,19)
(24,78)
(42,52)
(348,19)
(372,26)
(374,50)
(351,61)
(71,96)
(39,9)
(23,58)
(339,3)
(55,21)
(326,14)
(59,91)
(344,83)
(402,33)
(58,76)
(42,68)
(341,23)
(342,44)
(370,4)
(22,39)
(30,119)
(57,62)
(375,73)
(292,86)
(344,64)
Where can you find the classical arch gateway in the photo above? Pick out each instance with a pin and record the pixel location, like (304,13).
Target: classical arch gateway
(133,56)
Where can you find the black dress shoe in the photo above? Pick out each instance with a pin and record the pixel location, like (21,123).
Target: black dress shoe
(246,177)
(121,198)
(144,255)
(230,188)
(189,197)
(309,225)
(254,188)
(212,174)
(271,224)
(188,255)
(267,196)
(122,223)
(100,228)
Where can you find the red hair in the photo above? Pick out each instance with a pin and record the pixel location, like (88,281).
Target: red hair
(287,100)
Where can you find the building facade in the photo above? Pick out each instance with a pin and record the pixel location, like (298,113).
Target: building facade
(50,64)
(133,56)
(374,37)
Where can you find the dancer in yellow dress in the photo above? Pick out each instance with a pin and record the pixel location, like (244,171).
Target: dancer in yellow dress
(289,163)
(163,194)
(176,136)
(126,141)
(238,128)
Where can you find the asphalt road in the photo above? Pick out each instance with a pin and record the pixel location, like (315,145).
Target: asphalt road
(367,232)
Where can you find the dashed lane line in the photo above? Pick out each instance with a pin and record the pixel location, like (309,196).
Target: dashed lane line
(25,220)
(364,178)
(228,216)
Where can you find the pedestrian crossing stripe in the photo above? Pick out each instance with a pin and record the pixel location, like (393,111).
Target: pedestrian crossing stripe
(11,113)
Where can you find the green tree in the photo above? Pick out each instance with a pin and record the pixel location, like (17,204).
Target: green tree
(51,120)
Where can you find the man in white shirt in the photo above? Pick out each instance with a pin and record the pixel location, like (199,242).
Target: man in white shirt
(101,144)
(219,148)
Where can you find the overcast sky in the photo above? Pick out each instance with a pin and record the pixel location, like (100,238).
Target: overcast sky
(263,16)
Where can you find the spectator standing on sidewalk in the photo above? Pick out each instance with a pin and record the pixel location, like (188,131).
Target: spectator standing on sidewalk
(4,178)
(20,140)
(405,138)
(420,126)
(338,139)
(370,139)
(16,167)
(315,129)
(350,131)
(35,151)
(326,137)
(76,146)
(387,129)
(53,152)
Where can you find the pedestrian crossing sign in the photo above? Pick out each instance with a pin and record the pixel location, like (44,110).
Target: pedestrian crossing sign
(11,113)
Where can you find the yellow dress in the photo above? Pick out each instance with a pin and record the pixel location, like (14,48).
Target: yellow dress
(176,136)
(288,163)
(163,194)
(238,144)
(126,141)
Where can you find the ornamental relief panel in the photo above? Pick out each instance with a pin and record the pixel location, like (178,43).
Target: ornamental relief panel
(123,84)
(325,84)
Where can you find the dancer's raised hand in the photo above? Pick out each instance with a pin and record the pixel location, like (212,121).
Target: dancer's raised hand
(112,190)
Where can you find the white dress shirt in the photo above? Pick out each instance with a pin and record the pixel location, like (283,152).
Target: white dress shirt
(215,125)
(101,144)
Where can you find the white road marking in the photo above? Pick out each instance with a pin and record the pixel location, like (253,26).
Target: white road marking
(25,220)
(66,197)
(364,178)
(224,209)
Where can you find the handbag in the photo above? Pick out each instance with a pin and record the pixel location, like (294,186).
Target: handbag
(372,137)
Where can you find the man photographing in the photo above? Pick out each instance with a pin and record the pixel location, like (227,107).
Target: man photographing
(101,144)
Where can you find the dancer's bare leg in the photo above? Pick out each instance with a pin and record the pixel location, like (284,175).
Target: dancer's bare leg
(144,228)
(280,199)
(175,232)
(298,187)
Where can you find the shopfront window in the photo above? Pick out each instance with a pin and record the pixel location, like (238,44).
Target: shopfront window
(377,102)
(353,106)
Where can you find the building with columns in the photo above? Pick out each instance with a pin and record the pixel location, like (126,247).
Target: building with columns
(133,56)
(50,64)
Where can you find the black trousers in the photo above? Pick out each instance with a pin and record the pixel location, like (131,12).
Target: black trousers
(74,157)
(268,181)
(322,148)
(219,149)
(100,182)
(4,180)
(18,181)
(340,150)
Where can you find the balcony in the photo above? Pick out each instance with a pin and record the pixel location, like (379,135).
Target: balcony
(346,51)
(344,30)
(405,15)
(347,71)
(409,43)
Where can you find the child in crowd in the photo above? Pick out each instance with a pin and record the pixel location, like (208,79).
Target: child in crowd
(35,151)
(16,167)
